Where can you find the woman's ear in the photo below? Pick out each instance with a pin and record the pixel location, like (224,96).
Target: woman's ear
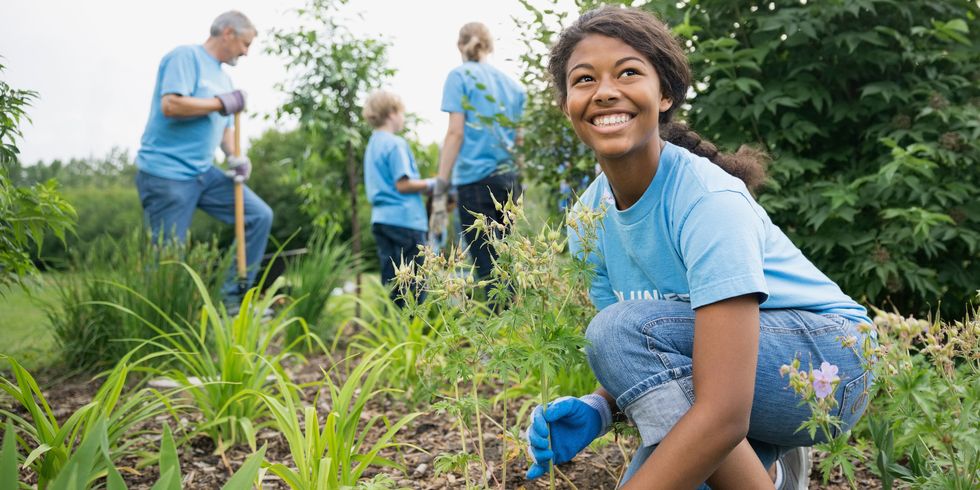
(665,104)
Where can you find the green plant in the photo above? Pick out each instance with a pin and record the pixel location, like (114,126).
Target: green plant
(50,444)
(922,425)
(220,360)
(335,455)
(113,271)
(314,277)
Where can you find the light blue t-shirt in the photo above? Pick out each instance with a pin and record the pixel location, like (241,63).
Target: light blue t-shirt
(386,160)
(182,148)
(478,89)
(697,235)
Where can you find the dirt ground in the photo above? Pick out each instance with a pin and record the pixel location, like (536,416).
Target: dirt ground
(430,433)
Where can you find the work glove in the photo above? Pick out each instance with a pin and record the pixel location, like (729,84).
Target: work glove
(439,218)
(435,186)
(239,168)
(572,423)
(232,102)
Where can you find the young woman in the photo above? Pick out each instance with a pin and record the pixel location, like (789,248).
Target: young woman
(701,297)
(477,153)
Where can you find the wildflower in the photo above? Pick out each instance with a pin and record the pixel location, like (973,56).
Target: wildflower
(824,379)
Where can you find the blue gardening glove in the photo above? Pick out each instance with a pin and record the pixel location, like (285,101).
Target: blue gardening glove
(573,424)
(232,102)
(239,168)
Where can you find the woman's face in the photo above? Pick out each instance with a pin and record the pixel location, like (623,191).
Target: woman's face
(614,100)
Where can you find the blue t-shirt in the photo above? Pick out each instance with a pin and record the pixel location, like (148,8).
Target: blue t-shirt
(697,235)
(478,89)
(386,160)
(182,148)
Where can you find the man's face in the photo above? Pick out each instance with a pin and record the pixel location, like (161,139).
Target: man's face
(235,45)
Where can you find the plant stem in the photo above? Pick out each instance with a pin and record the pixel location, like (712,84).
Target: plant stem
(545,392)
(462,438)
(479,429)
(503,449)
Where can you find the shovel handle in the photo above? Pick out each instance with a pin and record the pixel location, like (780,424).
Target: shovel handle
(239,205)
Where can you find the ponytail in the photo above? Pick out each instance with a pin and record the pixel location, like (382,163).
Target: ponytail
(748,164)
(474,41)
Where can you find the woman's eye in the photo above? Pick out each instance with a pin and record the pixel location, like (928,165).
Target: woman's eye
(629,72)
(583,78)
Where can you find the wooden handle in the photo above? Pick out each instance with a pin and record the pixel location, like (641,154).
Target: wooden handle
(239,205)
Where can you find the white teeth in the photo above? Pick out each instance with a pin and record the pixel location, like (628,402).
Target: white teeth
(611,119)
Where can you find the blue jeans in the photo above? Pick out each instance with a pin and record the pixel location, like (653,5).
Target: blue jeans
(478,198)
(397,244)
(640,351)
(168,206)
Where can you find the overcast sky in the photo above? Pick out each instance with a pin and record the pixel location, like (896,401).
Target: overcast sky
(94,62)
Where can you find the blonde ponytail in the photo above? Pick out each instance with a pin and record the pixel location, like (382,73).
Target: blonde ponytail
(474,41)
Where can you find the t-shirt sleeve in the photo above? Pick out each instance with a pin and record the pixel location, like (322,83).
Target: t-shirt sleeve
(400,161)
(179,73)
(452,93)
(722,243)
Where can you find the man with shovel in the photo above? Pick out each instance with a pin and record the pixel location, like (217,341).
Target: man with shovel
(191,114)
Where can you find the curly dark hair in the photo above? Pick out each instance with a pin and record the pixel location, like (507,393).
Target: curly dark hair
(647,34)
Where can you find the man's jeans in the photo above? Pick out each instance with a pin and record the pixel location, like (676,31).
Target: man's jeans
(397,244)
(476,198)
(640,351)
(168,206)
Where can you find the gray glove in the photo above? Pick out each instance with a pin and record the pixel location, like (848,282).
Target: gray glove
(239,168)
(439,218)
(232,102)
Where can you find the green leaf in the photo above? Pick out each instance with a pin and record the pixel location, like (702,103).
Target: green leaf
(244,478)
(169,461)
(9,475)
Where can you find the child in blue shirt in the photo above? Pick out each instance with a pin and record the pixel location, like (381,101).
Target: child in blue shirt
(391,179)
(702,297)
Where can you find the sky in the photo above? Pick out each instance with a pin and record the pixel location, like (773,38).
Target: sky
(94,63)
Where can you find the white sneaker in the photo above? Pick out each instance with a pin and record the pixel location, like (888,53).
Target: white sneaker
(793,469)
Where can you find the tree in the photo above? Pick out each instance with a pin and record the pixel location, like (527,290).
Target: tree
(332,71)
(25,212)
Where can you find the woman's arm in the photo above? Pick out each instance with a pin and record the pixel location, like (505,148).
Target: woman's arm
(452,144)
(173,105)
(708,443)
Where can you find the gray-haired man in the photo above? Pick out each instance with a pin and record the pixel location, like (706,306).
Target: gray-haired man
(190,115)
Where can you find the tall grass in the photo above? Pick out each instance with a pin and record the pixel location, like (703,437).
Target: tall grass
(314,277)
(91,336)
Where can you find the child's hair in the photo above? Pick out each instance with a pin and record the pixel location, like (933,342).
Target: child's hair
(379,105)
(647,34)
(474,41)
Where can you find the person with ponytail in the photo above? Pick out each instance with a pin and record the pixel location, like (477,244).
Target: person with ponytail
(484,106)
(701,297)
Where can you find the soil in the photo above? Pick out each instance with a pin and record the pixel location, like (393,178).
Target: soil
(429,435)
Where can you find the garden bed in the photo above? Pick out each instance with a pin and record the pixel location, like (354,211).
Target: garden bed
(430,434)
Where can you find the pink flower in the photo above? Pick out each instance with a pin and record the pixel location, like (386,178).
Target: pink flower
(824,379)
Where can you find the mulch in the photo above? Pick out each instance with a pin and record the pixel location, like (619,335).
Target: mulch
(428,436)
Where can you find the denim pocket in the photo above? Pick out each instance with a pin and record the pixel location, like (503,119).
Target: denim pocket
(853,401)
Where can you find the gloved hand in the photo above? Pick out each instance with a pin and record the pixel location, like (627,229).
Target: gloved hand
(232,102)
(239,168)
(439,218)
(435,186)
(573,424)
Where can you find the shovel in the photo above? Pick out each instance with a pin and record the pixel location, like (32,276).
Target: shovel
(240,212)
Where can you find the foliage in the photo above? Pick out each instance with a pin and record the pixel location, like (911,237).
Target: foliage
(922,426)
(50,443)
(336,455)
(537,336)
(91,335)
(870,110)
(221,360)
(333,70)
(314,277)
(26,213)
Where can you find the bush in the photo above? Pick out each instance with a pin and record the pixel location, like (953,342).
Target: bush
(869,109)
